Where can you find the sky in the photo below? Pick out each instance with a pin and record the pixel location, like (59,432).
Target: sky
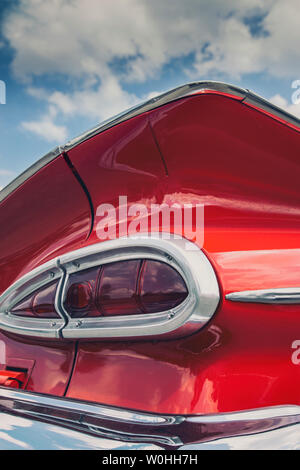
(69,64)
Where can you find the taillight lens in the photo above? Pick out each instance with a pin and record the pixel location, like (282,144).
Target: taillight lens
(124,288)
(162,288)
(117,293)
(40,304)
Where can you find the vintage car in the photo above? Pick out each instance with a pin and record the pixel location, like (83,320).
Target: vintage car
(156,338)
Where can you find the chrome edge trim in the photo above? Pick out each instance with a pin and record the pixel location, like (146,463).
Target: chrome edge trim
(182,432)
(98,420)
(183,255)
(9,398)
(280,438)
(177,93)
(261,103)
(285,295)
(247,415)
(28,433)
(172,95)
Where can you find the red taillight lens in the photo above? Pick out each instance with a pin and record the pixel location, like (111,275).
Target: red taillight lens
(39,304)
(124,288)
(162,288)
(117,289)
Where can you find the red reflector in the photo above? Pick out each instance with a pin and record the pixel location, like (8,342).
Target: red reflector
(39,304)
(12,379)
(79,296)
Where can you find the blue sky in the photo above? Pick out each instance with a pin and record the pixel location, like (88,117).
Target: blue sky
(68,64)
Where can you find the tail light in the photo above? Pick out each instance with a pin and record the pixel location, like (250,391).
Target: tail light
(161,287)
(40,304)
(131,287)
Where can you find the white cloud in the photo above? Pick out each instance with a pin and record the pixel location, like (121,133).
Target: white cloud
(81,40)
(235,50)
(46,128)
(100,103)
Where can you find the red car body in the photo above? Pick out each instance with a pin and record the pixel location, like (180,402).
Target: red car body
(209,144)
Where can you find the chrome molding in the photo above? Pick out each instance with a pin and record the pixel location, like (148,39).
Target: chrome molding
(257,414)
(127,429)
(286,295)
(98,420)
(28,433)
(282,438)
(185,257)
(32,401)
(182,91)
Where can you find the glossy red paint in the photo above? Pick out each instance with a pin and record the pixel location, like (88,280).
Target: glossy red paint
(122,161)
(241,163)
(242,360)
(257,269)
(48,364)
(46,216)
(244,166)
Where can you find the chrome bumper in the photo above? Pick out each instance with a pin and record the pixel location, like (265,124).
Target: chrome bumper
(32,421)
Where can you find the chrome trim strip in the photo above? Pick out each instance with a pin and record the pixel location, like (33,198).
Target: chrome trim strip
(261,103)
(177,93)
(183,255)
(10,398)
(124,427)
(286,295)
(247,415)
(44,328)
(283,438)
(100,420)
(26,433)
(160,100)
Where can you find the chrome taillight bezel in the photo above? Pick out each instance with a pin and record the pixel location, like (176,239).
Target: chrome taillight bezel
(23,287)
(184,256)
